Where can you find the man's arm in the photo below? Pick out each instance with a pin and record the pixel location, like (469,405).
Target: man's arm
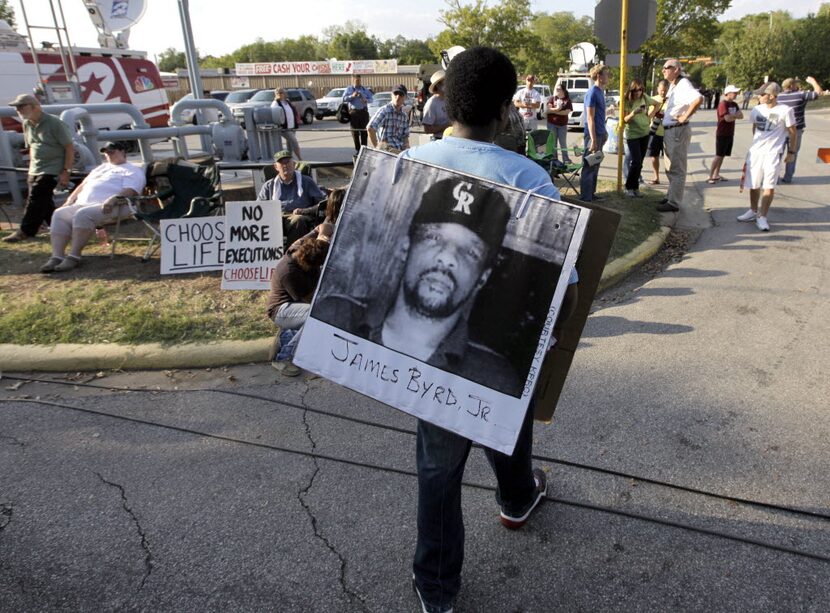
(68,159)
(590,114)
(691,110)
(111,202)
(816,86)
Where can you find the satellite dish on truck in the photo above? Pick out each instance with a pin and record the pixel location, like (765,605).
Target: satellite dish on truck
(582,56)
(111,16)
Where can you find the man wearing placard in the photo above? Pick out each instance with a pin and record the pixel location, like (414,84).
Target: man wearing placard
(480,84)
(298,194)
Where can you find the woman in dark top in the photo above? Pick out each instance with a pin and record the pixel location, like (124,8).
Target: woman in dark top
(558,111)
(292,287)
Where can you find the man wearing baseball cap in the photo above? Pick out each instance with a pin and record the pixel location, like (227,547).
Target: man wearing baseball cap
(298,194)
(389,129)
(98,200)
(774,139)
(50,163)
(528,101)
(728,113)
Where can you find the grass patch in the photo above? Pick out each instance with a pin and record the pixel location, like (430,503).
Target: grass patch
(640,218)
(125,301)
(119,300)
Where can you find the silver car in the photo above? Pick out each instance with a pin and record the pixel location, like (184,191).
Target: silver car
(328,104)
(382,99)
(300,97)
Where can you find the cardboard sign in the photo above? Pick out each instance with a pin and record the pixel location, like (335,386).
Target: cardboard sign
(599,236)
(254,244)
(440,293)
(192,245)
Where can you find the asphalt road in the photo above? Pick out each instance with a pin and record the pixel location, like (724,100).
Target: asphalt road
(688,458)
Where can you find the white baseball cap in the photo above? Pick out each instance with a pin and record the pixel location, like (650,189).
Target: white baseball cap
(731,89)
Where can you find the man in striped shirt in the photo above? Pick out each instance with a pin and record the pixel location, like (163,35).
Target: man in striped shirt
(797,100)
(389,130)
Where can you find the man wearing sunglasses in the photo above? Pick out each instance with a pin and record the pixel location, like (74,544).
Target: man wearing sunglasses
(389,130)
(682,102)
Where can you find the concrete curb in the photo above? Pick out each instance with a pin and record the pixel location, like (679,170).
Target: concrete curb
(76,357)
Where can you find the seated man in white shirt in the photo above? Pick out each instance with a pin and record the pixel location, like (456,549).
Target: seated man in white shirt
(96,201)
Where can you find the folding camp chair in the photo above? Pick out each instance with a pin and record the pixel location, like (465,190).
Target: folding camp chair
(184,188)
(545,140)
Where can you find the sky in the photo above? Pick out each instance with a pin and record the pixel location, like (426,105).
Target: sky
(220,28)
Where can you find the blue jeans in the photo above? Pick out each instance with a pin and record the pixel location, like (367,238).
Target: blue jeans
(291,316)
(589,175)
(789,169)
(441,456)
(561,133)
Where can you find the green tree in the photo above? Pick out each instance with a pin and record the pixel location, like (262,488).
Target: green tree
(505,26)
(684,27)
(407,51)
(353,46)
(557,33)
(753,55)
(170,60)
(7,13)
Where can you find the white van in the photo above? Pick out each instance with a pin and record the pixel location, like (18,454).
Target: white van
(577,84)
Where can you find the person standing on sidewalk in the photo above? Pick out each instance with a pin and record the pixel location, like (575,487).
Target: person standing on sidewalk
(559,108)
(528,101)
(656,132)
(637,124)
(389,130)
(480,84)
(595,132)
(773,126)
(358,99)
(728,113)
(682,102)
(290,122)
(797,100)
(51,156)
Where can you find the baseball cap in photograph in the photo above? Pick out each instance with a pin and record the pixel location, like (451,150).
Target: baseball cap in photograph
(24,99)
(399,89)
(112,145)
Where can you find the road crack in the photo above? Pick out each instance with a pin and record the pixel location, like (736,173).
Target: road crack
(15,441)
(6,514)
(145,544)
(353,597)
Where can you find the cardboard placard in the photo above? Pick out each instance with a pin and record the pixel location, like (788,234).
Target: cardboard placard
(254,244)
(196,244)
(440,293)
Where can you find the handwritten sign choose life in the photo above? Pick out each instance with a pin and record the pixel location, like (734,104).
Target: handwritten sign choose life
(253,245)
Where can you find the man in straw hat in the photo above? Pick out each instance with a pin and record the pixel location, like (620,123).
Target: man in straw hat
(436,119)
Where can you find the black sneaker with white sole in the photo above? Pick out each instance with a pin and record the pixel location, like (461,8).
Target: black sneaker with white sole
(425,606)
(514,522)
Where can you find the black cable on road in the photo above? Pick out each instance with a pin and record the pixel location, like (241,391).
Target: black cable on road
(388,469)
(540,458)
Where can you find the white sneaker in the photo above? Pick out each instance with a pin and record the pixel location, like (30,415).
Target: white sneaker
(762,223)
(748,216)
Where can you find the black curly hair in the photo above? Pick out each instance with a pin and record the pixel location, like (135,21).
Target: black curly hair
(478,83)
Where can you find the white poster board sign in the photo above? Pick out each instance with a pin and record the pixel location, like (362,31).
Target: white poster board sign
(254,244)
(192,245)
(439,295)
